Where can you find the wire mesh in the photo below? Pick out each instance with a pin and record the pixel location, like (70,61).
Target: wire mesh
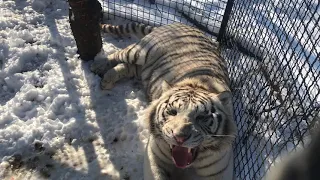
(273,50)
(205,14)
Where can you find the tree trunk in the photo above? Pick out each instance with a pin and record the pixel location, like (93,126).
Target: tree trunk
(84,18)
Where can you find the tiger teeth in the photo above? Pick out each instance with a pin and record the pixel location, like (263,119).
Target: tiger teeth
(170,146)
(189,150)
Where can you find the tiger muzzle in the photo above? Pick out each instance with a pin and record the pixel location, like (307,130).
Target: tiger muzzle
(183,156)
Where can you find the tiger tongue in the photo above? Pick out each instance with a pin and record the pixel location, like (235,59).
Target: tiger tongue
(181,157)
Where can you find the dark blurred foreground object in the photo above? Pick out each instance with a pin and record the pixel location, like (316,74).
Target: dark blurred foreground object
(84,18)
(301,165)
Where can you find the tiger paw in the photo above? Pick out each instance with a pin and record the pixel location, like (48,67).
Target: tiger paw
(106,86)
(101,66)
(106,83)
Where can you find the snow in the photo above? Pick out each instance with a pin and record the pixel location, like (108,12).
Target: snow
(56,122)
(54,119)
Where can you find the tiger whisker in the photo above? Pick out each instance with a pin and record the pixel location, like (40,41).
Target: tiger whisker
(205,148)
(222,135)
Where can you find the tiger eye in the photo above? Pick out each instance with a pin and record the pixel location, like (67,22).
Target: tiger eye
(213,110)
(172,112)
(219,116)
(200,117)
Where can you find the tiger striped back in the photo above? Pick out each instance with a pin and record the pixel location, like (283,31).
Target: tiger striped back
(177,52)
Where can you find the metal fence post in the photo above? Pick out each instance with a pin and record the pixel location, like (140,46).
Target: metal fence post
(225,19)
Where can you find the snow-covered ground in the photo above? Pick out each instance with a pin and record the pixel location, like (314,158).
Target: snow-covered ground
(54,119)
(56,122)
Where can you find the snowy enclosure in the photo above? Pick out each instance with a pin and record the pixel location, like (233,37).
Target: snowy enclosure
(56,123)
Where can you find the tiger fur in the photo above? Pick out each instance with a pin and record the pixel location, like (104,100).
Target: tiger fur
(190,116)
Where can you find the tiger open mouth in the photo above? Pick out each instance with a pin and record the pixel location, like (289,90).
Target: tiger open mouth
(183,156)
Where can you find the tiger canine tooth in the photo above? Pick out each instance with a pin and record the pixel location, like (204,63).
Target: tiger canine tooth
(170,146)
(189,150)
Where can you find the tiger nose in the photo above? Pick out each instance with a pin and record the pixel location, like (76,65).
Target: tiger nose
(182,134)
(180,139)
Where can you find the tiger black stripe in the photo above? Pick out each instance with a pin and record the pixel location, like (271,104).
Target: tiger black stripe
(127,28)
(168,69)
(214,162)
(128,54)
(205,129)
(165,39)
(219,116)
(161,151)
(201,158)
(136,57)
(103,27)
(218,126)
(121,29)
(197,135)
(225,127)
(151,116)
(133,27)
(160,108)
(193,86)
(208,72)
(203,100)
(157,155)
(142,27)
(213,110)
(176,55)
(146,42)
(166,56)
(211,123)
(165,107)
(194,101)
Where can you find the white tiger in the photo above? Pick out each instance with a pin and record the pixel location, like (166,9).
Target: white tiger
(190,116)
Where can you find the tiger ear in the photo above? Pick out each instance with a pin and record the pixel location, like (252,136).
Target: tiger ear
(165,85)
(225,97)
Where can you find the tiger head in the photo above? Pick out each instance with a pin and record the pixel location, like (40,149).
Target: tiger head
(189,118)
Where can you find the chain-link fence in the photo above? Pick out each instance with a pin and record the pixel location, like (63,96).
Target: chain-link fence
(207,15)
(273,50)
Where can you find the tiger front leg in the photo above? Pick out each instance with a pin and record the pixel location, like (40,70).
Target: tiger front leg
(117,73)
(101,66)
(126,55)
(156,167)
